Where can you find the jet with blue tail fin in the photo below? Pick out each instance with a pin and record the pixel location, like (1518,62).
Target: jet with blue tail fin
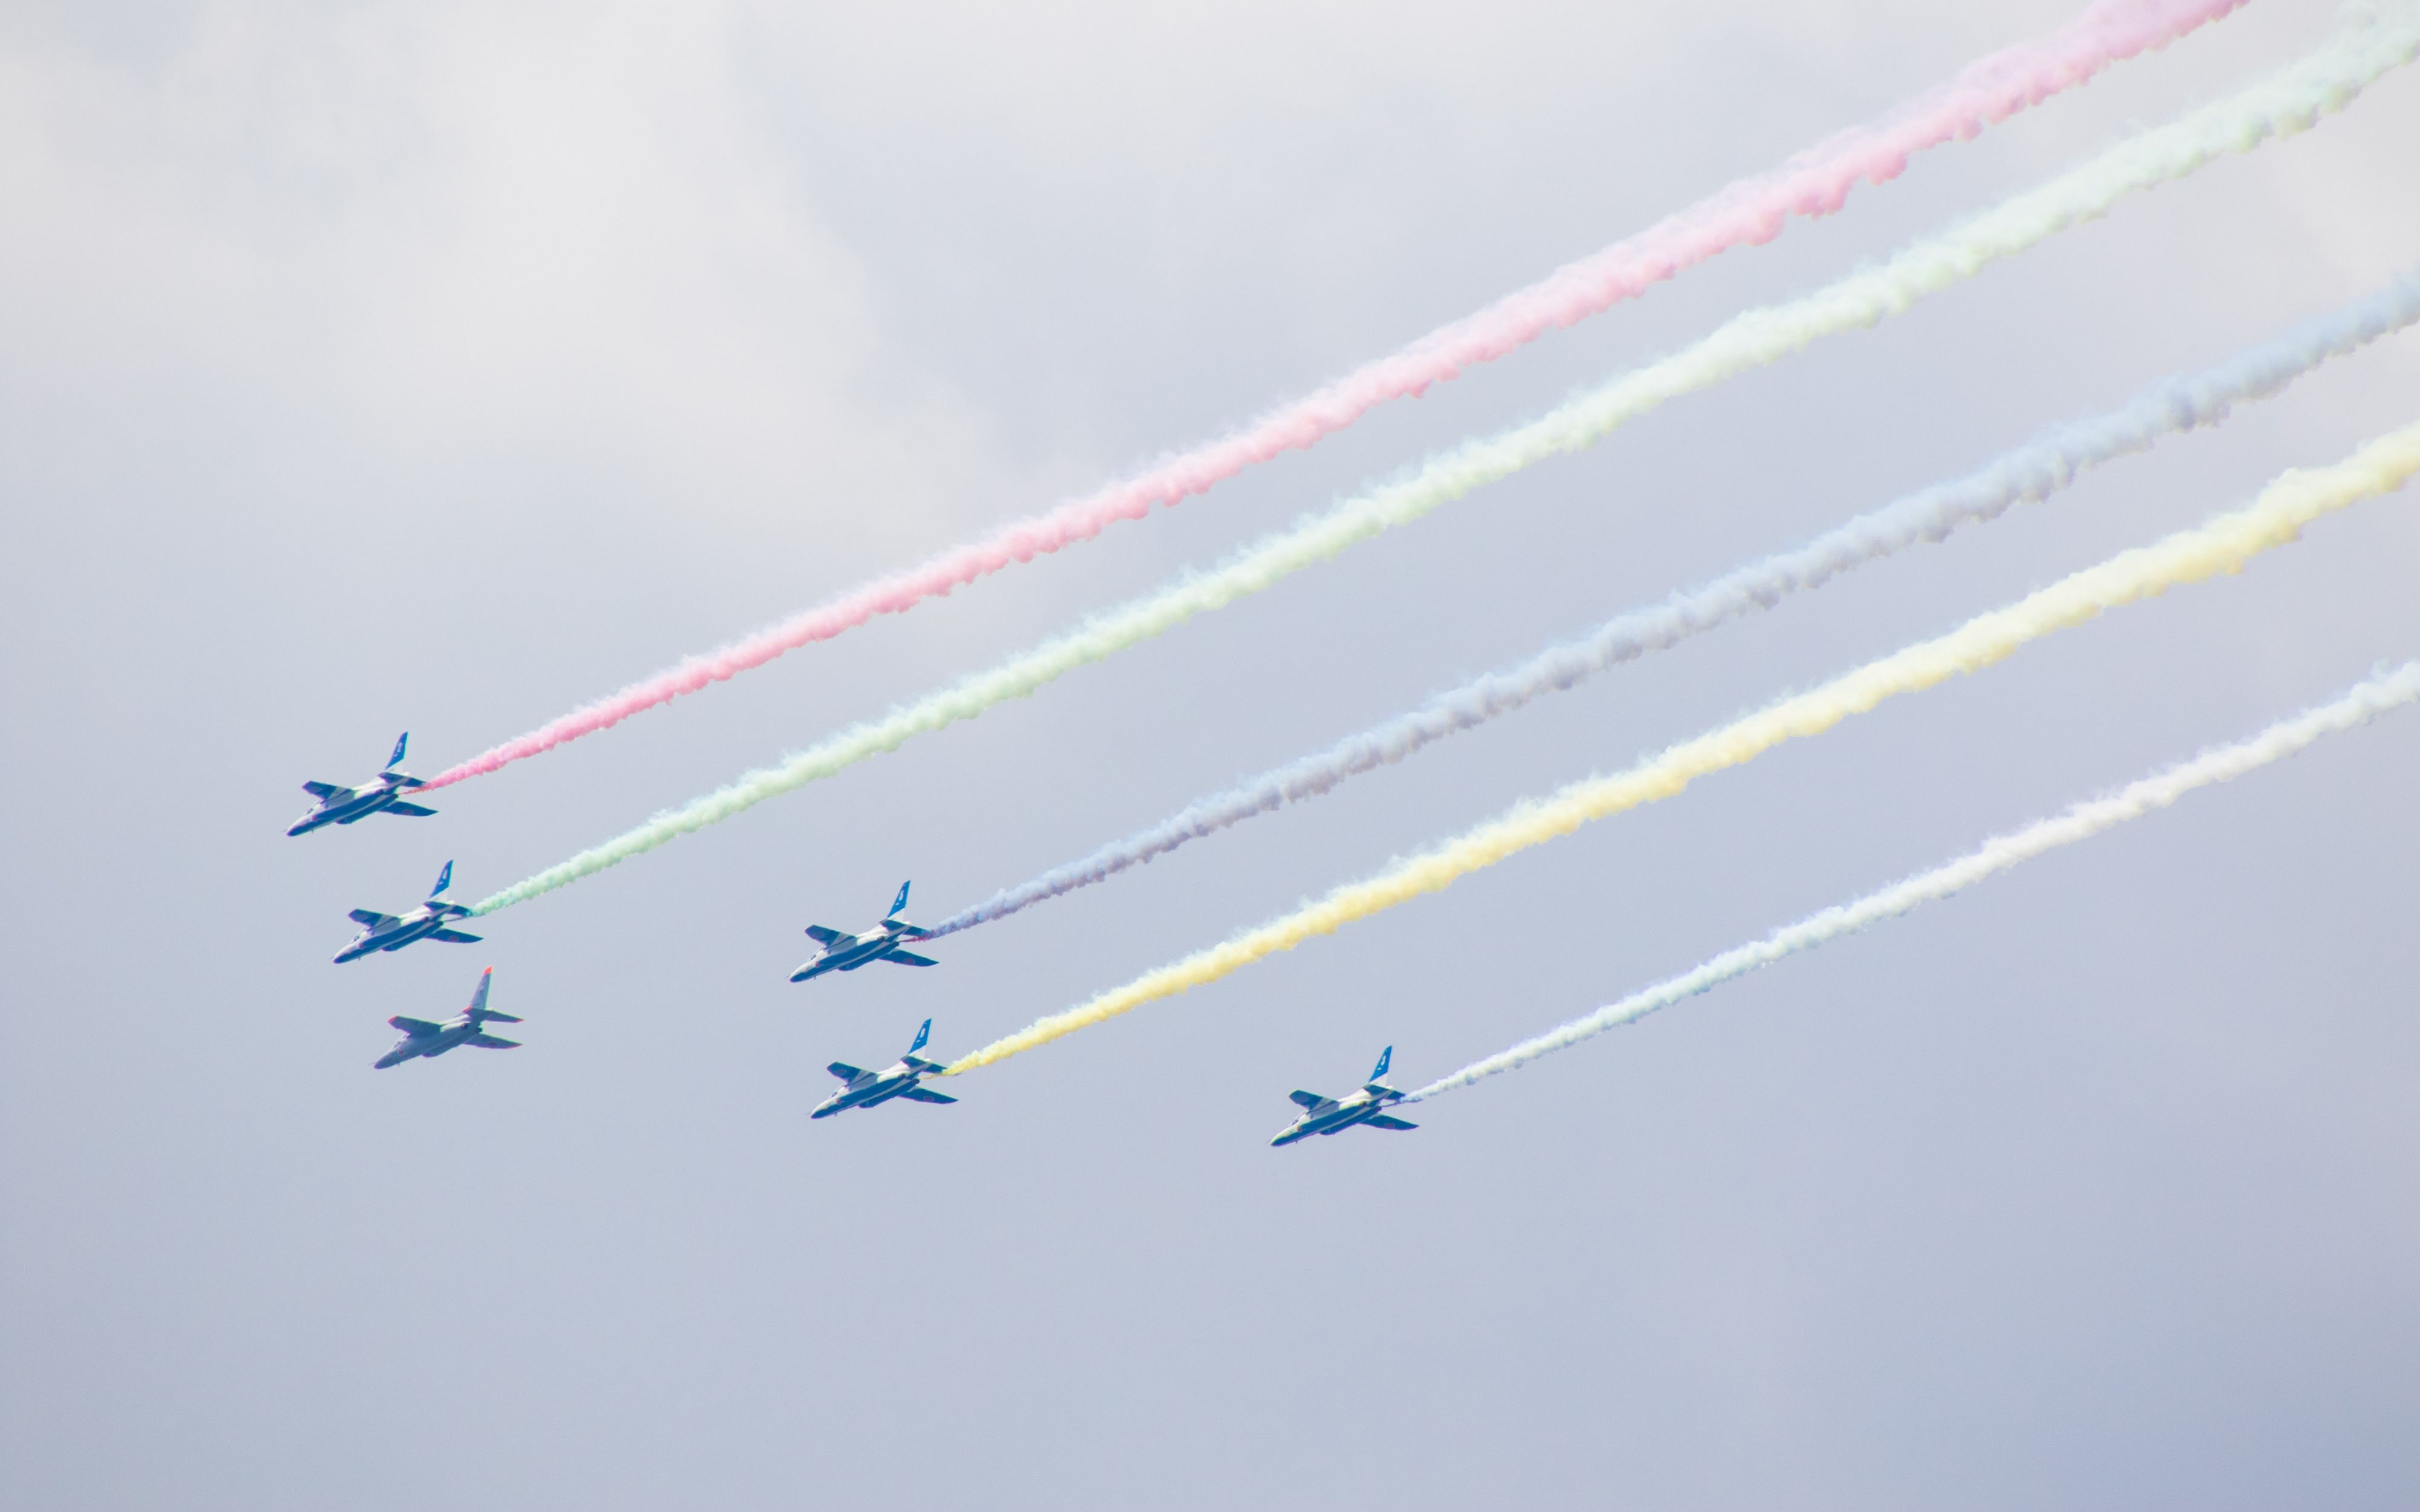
(1331,1115)
(422,1039)
(872,1088)
(884,941)
(382,794)
(431,920)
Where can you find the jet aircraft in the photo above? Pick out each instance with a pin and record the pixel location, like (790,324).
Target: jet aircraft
(879,942)
(1329,1115)
(382,794)
(429,921)
(470,1026)
(871,1088)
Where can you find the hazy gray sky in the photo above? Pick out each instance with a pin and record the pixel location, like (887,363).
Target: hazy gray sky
(442,366)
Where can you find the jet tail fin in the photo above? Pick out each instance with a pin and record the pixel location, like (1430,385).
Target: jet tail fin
(445,880)
(396,760)
(1378,1074)
(922,1034)
(900,901)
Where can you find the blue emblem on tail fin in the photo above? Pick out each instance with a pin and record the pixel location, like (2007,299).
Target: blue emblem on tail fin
(922,1035)
(445,880)
(400,741)
(1384,1056)
(900,901)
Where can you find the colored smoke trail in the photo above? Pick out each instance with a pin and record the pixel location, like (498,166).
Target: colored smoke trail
(2321,84)
(2380,694)
(1754,210)
(2030,472)
(2224,544)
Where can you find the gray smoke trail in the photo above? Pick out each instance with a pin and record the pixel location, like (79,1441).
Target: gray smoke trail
(2029,473)
(2385,691)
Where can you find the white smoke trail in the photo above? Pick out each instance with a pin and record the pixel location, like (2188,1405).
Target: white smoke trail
(2380,693)
(2026,474)
(2224,544)
(2324,82)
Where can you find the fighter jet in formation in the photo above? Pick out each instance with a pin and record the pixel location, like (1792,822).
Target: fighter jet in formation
(470,1026)
(1329,1115)
(871,1088)
(879,942)
(382,794)
(429,921)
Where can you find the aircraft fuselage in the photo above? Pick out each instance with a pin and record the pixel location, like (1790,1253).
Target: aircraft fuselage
(872,1088)
(419,924)
(429,1046)
(1336,1115)
(356,806)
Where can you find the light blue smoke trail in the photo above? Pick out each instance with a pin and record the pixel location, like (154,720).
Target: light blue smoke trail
(2033,471)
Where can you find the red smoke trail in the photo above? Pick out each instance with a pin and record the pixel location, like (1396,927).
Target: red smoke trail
(1752,211)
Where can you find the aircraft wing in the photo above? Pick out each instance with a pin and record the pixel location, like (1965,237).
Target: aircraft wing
(1387,1120)
(909,958)
(489,1041)
(326,790)
(370,917)
(926,1094)
(842,1070)
(414,809)
(1308,1100)
(823,933)
(453,936)
(416,1028)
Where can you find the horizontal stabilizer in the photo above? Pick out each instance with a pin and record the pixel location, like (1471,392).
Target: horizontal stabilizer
(326,790)
(842,1070)
(1308,1100)
(489,1041)
(370,917)
(416,1028)
(823,933)
(453,936)
(411,810)
(909,958)
(926,1094)
(1387,1120)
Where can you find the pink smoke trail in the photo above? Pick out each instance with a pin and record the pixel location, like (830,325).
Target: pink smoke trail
(1753,211)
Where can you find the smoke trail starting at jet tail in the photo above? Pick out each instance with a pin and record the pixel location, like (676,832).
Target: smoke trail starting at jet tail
(1754,210)
(2224,544)
(2380,694)
(2030,472)
(2321,84)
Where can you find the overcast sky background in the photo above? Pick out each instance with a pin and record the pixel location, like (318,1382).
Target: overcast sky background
(439,367)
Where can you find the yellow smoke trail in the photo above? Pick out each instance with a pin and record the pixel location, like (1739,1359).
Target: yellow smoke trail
(2223,544)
